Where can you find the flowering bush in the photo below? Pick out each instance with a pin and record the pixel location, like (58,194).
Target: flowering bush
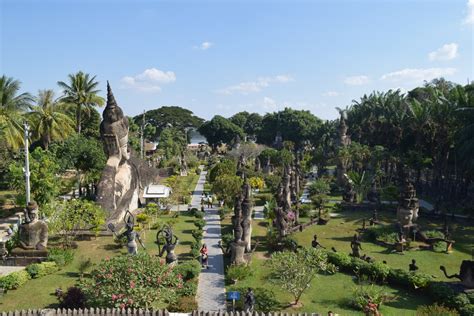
(139,281)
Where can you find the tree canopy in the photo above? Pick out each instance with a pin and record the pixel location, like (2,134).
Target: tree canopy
(220,130)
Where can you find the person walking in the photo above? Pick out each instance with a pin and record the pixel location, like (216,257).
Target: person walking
(204,256)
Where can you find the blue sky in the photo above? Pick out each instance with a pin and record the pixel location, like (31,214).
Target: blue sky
(222,57)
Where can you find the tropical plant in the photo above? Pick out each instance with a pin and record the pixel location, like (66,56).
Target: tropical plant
(81,91)
(49,120)
(12,106)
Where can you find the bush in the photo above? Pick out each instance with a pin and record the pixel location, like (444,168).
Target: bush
(265,300)
(305,209)
(62,257)
(195,249)
(200,223)
(188,269)
(435,310)
(227,240)
(379,271)
(14,280)
(143,218)
(38,270)
(238,272)
(199,214)
(183,304)
(342,260)
(365,294)
(73,298)
(385,233)
(197,234)
(131,282)
(189,288)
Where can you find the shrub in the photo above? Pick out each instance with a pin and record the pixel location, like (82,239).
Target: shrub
(143,218)
(305,209)
(38,270)
(238,272)
(189,288)
(131,282)
(197,234)
(341,260)
(200,223)
(62,257)
(188,269)
(73,298)
(467,310)
(183,304)
(195,249)
(14,280)
(365,294)
(435,310)
(379,271)
(265,300)
(227,239)
(199,214)
(385,233)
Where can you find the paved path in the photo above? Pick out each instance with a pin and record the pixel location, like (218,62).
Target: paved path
(6,222)
(211,288)
(4,270)
(258,213)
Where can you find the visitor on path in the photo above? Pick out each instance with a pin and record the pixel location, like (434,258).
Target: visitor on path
(249,301)
(204,256)
(209,202)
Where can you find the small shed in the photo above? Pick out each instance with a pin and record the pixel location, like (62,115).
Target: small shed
(155,192)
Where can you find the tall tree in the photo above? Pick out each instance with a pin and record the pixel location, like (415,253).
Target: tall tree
(12,106)
(81,91)
(220,131)
(49,121)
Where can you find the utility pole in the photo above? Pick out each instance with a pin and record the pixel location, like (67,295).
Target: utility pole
(142,138)
(27,163)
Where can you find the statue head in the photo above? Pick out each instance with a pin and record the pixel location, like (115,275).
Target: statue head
(114,124)
(32,210)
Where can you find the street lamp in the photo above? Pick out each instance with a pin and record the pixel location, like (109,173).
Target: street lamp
(27,163)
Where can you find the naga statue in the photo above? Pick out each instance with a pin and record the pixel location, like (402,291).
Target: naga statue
(466,274)
(123,177)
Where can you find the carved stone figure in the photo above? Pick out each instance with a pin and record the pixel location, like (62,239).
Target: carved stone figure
(315,243)
(118,189)
(258,166)
(33,232)
(344,141)
(278,142)
(167,234)
(349,195)
(408,206)
(131,235)
(356,246)
(242,224)
(466,273)
(374,195)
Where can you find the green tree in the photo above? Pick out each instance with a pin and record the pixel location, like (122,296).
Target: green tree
(48,120)
(226,187)
(44,181)
(12,106)
(172,142)
(225,167)
(220,130)
(294,271)
(81,91)
(168,116)
(361,184)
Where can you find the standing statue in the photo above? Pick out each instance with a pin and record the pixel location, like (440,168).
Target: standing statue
(349,195)
(356,246)
(407,212)
(166,233)
(343,141)
(183,165)
(118,188)
(131,235)
(242,224)
(258,166)
(33,233)
(373,195)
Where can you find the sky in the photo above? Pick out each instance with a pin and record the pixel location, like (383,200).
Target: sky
(223,57)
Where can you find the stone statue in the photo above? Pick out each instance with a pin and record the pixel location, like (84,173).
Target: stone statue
(183,165)
(412,266)
(33,232)
(131,235)
(167,234)
(408,206)
(343,141)
(258,166)
(466,274)
(315,243)
(373,195)
(118,188)
(349,195)
(278,143)
(356,246)
(242,224)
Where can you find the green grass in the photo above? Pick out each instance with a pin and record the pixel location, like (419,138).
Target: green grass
(39,293)
(331,292)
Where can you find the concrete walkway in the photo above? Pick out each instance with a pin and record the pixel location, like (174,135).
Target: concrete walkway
(211,288)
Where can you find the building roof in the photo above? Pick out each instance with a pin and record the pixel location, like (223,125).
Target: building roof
(156,191)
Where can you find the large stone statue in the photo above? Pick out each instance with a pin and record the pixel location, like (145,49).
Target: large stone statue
(349,195)
(33,232)
(119,186)
(242,224)
(407,212)
(344,141)
(466,274)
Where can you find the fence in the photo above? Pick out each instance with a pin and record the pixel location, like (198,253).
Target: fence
(136,312)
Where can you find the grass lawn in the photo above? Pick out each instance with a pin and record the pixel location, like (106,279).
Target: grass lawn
(331,292)
(95,249)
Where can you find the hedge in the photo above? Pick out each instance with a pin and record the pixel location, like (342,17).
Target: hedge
(38,270)
(378,271)
(14,280)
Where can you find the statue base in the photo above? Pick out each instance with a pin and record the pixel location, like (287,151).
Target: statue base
(24,257)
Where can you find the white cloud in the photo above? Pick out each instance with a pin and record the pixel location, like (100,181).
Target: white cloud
(255,86)
(446,52)
(269,104)
(357,80)
(204,45)
(417,75)
(469,19)
(150,80)
(330,94)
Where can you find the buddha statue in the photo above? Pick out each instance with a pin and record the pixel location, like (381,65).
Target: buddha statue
(119,186)
(33,232)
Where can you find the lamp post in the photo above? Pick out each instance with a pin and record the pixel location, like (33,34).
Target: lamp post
(142,136)
(27,163)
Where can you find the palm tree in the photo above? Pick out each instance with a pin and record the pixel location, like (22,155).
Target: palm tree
(12,107)
(48,119)
(81,92)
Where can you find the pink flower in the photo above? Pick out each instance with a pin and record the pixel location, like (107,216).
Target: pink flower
(158,280)
(122,306)
(130,301)
(114,297)
(132,284)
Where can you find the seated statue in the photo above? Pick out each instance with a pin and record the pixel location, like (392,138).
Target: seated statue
(33,232)
(119,186)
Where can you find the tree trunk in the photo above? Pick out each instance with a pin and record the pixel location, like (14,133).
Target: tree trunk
(78,119)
